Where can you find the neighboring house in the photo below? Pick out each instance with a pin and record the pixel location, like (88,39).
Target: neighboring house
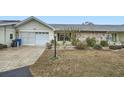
(33,31)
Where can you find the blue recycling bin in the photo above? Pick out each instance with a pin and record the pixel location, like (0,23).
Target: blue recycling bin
(19,42)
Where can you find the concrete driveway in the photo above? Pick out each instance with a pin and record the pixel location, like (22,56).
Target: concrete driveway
(13,58)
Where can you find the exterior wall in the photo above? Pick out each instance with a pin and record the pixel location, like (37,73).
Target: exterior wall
(9,30)
(51,35)
(5,34)
(98,35)
(2,41)
(121,37)
(83,35)
(34,26)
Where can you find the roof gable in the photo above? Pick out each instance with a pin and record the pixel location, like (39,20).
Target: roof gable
(33,18)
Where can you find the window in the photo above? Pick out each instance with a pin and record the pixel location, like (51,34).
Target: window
(11,36)
(62,36)
(46,33)
(109,37)
(36,32)
(42,32)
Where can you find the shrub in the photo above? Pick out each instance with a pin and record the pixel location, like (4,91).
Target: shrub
(98,47)
(81,45)
(91,42)
(52,41)
(104,43)
(115,47)
(75,41)
(3,46)
(49,46)
(63,42)
(122,46)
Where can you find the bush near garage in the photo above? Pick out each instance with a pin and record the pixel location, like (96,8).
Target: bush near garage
(49,45)
(53,42)
(2,46)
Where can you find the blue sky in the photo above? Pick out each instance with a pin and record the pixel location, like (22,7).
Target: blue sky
(72,19)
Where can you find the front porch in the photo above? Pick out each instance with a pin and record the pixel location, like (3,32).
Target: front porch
(117,38)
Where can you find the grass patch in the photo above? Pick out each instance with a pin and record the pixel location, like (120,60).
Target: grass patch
(53,58)
(78,63)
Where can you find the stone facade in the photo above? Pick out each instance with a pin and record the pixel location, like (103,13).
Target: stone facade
(98,35)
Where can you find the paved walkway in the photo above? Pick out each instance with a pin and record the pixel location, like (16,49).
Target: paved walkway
(13,58)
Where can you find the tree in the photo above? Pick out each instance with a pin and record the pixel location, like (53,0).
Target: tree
(88,23)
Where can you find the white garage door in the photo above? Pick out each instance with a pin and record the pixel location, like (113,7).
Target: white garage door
(28,38)
(34,38)
(42,38)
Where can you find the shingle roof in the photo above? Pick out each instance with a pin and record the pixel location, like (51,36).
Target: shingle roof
(8,22)
(82,27)
(76,27)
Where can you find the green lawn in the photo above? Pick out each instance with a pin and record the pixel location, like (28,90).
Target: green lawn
(80,63)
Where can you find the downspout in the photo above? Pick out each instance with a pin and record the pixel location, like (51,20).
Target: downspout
(4,34)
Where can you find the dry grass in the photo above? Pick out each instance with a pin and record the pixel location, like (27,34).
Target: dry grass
(80,63)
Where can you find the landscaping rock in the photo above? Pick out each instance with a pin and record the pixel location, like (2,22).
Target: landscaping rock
(115,47)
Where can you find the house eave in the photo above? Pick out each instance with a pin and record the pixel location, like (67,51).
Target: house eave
(33,18)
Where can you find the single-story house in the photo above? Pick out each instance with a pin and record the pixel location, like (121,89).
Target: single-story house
(33,31)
